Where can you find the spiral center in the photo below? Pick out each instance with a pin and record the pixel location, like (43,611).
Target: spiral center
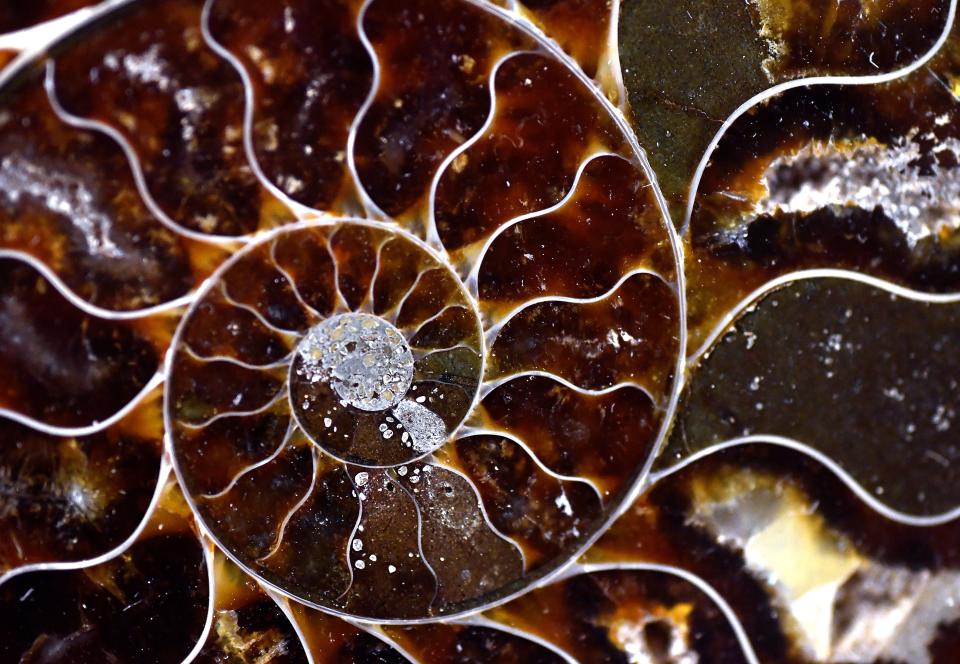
(363,358)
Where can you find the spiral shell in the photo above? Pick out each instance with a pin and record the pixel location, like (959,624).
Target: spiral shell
(357,330)
(415,303)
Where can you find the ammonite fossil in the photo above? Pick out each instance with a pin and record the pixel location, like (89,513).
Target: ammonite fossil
(462,330)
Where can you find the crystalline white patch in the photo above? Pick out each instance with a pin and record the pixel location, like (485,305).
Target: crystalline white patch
(146,67)
(867,176)
(364,359)
(62,194)
(425,427)
(896,613)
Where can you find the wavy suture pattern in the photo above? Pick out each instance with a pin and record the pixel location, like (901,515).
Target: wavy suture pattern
(689,65)
(436,58)
(96,235)
(152,78)
(543,125)
(414,301)
(860,177)
(543,514)
(725,518)
(609,225)
(599,437)
(856,380)
(365,512)
(625,335)
(73,498)
(61,366)
(625,615)
(109,611)
(306,93)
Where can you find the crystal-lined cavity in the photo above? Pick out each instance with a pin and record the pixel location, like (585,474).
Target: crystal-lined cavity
(364,358)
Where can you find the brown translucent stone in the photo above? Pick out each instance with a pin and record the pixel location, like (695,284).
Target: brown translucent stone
(307,258)
(213,456)
(545,515)
(270,492)
(147,604)
(580,27)
(400,265)
(355,249)
(59,365)
(310,558)
(201,390)
(257,282)
(469,558)
(545,123)
(604,438)
(94,232)
(306,91)
(582,341)
(611,225)
(248,626)
(436,57)
(332,640)
(624,615)
(152,77)
(390,576)
(218,328)
(688,65)
(831,364)
(75,498)
(449,643)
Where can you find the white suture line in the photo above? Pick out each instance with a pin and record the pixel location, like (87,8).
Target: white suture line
(310,310)
(820,273)
(423,556)
(86,307)
(210,359)
(284,442)
(70,432)
(671,230)
(371,209)
(433,237)
(491,385)
(296,508)
(133,160)
(208,557)
(471,282)
(803,82)
(494,330)
(282,392)
(260,317)
(483,510)
(398,307)
(118,550)
(353,532)
(471,432)
(299,210)
(831,465)
(480,620)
